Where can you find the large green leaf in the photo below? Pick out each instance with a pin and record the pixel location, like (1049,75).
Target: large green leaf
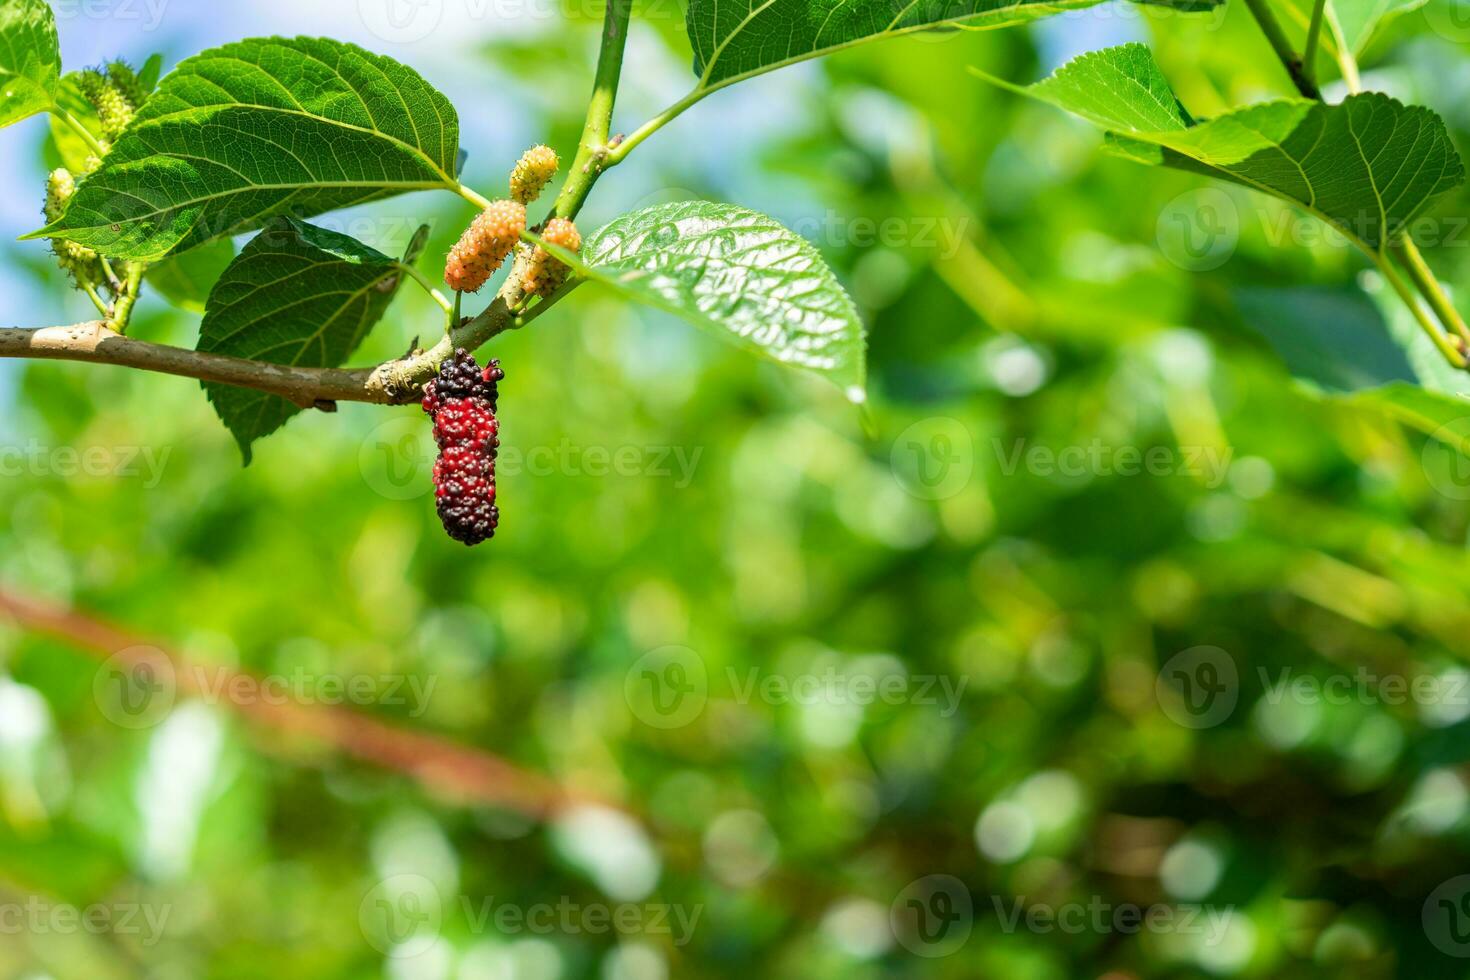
(736,40)
(258,128)
(30,59)
(296,294)
(186,279)
(739,275)
(1368,166)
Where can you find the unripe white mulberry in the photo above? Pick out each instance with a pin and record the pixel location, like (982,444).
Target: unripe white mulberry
(80,262)
(543,274)
(484,245)
(533,171)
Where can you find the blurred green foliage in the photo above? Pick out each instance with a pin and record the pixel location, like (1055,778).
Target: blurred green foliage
(1027,307)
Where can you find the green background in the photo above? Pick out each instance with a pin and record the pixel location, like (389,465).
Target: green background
(1037,324)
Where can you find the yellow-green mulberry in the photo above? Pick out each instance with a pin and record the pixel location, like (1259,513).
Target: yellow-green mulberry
(533,171)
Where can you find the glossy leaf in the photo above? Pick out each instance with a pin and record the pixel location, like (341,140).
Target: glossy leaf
(30,59)
(734,41)
(258,128)
(1368,166)
(296,294)
(739,275)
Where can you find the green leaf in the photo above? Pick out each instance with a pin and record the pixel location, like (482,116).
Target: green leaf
(1355,22)
(185,279)
(258,128)
(1367,353)
(1333,339)
(148,75)
(1184,6)
(1368,166)
(296,294)
(30,59)
(737,40)
(1445,417)
(739,275)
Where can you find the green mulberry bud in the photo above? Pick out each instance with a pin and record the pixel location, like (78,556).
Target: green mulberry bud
(127,83)
(533,171)
(113,108)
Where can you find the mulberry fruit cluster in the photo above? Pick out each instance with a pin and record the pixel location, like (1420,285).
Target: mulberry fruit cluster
(115,93)
(484,245)
(461,402)
(543,274)
(78,261)
(533,171)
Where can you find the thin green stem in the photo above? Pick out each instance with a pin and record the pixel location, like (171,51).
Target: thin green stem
(592,149)
(80,129)
(616,154)
(1314,40)
(524,317)
(1428,284)
(91,292)
(1271,27)
(1430,328)
(429,287)
(474,197)
(1346,63)
(122,306)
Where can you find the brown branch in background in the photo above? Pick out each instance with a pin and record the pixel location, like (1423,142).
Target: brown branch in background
(453,772)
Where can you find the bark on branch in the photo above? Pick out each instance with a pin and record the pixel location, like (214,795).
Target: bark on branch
(394,382)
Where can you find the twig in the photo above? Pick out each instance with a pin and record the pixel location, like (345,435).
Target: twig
(394,382)
(1314,39)
(1271,27)
(592,148)
(459,773)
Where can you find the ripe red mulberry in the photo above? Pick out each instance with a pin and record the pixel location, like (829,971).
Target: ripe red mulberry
(484,245)
(461,401)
